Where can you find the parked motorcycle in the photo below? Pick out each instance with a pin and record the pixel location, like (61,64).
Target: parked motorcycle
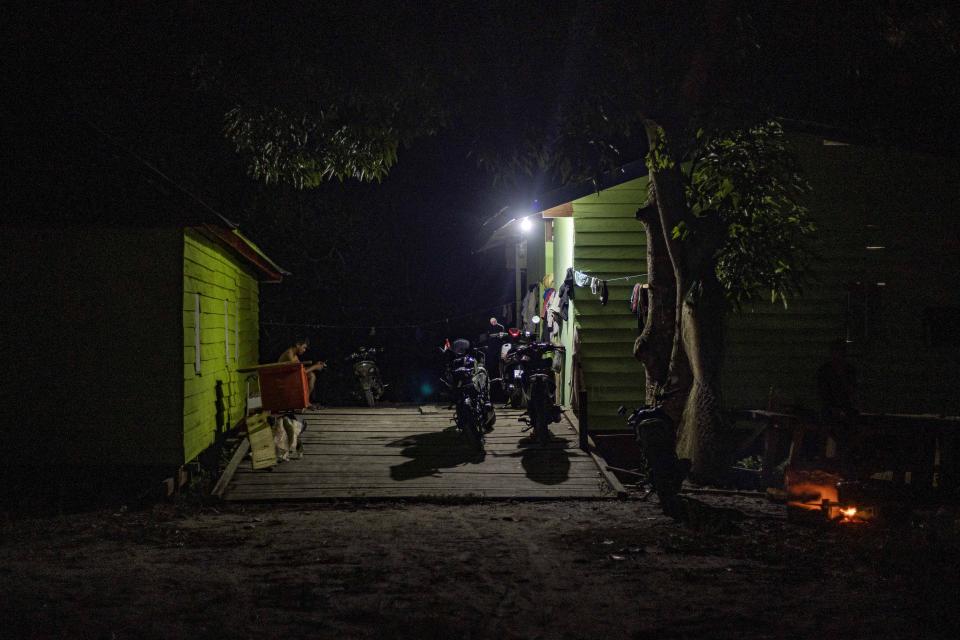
(511,370)
(532,365)
(367,374)
(656,434)
(469,385)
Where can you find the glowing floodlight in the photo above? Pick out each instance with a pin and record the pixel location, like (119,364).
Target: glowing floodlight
(526,225)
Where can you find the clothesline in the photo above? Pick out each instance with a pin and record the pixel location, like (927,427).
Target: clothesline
(429,323)
(582,276)
(639,275)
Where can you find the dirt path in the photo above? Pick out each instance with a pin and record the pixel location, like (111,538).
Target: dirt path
(578,569)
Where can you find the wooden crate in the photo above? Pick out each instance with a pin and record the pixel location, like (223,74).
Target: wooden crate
(284,386)
(263,451)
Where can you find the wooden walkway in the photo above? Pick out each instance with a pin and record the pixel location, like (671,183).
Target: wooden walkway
(415,452)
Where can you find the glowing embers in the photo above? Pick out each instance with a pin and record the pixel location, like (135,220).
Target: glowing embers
(808,488)
(818,495)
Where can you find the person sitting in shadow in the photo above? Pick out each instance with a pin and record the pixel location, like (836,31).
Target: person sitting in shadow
(837,388)
(293,353)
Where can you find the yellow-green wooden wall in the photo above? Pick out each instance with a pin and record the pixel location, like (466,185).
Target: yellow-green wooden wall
(904,202)
(861,197)
(609,243)
(562,259)
(214,273)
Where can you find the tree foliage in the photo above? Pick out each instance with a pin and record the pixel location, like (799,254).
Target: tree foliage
(333,94)
(306,150)
(749,180)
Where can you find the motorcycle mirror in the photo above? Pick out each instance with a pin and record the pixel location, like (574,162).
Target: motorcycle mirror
(621,410)
(535,319)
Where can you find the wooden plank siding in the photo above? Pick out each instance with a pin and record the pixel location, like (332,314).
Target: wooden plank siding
(563,233)
(214,273)
(858,199)
(608,243)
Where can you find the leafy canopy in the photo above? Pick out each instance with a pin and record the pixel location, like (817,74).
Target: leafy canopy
(748,179)
(331,91)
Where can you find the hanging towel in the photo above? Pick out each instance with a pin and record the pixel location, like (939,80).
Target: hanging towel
(549,293)
(604,293)
(635,298)
(566,294)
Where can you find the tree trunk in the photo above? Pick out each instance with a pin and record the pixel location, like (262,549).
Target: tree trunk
(699,436)
(672,207)
(654,346)
(697,351)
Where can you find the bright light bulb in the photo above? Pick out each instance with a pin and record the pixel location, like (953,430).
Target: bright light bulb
(526,225)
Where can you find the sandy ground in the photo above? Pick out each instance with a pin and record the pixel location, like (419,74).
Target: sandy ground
(574,569)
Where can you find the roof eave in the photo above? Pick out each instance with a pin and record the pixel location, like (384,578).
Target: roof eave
(244,248)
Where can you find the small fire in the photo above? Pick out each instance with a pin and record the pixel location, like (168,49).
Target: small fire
(850,515)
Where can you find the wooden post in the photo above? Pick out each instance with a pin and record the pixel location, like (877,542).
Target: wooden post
(516,287)
(583,419)
(770,441)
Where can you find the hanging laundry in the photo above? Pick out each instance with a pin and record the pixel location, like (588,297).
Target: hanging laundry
(554,317)
(639,303)
(529,308)
(604,293)
(580,278)
(566,293)
(549,293)
(635,298)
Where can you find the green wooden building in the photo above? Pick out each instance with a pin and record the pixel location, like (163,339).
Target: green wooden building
(129,306)
(888,252)
(124,350)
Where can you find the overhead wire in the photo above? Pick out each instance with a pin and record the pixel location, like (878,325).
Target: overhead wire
(417,325)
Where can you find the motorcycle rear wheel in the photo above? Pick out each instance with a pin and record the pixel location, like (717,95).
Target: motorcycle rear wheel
(542,431)
(470,429)
(538,419)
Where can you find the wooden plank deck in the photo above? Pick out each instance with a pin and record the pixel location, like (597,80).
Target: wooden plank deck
(411,452)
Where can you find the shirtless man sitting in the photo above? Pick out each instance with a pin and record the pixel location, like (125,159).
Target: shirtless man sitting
(293,354)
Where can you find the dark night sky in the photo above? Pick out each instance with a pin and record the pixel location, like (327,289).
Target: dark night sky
(128,74)
(400,251)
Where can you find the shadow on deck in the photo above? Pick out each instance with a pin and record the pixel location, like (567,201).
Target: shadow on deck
(411,452)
